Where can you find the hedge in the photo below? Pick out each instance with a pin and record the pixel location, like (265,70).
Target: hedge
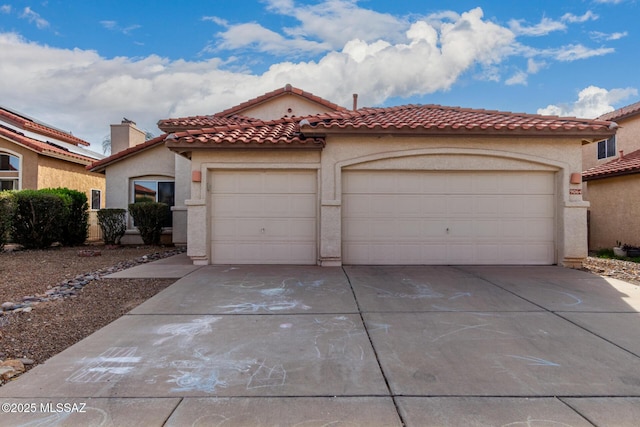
(6,215)
(38,218)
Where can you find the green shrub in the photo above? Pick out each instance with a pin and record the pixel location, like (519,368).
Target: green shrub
(148,218)
(113,223)
(75,227)
(37,218)
(6,216)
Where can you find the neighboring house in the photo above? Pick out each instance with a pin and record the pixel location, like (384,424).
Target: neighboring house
(612,181)
(35,155)
(290,178)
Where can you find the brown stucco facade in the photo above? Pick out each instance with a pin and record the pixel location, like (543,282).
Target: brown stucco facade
(614,211)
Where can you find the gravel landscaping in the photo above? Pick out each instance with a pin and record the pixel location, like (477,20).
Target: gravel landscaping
(39,330)
(52,299)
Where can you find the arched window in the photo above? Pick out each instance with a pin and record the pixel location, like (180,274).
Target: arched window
(9,171)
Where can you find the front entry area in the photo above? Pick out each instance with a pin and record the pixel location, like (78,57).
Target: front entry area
(263,216)
(453,217)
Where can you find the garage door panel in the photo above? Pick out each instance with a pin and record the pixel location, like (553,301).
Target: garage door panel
(263,217)
(450,217)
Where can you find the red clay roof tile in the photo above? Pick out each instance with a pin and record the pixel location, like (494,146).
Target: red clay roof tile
(43,147)
(621,113)
(100,165)
(436,118)
(45,130)
(284,132)
(627,164)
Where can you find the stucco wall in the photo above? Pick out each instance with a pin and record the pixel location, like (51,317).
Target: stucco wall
(155,163)
(627,139)
(53,173)
(285,106)
(29,172)
(622,223)
(415,153)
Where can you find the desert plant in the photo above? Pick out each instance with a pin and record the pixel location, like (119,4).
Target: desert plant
(148,218)
(75,227)
(37,217)
(113,223)
(6,216)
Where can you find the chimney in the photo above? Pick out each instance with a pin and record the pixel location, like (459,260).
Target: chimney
(355,101)
(621,154)
(125,135)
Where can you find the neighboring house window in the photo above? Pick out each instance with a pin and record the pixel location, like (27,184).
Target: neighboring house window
(96,199)
(607,148)
(9,172)
(155,191)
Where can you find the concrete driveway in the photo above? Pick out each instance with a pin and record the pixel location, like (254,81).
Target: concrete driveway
(370,346)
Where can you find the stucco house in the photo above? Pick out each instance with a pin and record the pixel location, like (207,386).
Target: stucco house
(35,155)
(291,178)
(144,169)
(612,181)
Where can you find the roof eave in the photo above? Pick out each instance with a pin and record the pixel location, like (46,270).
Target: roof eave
(611,174)
(320,131)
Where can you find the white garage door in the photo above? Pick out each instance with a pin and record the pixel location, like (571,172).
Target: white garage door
(263,217)
(397,217)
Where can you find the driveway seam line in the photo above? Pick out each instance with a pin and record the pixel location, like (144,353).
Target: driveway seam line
(373,348)
(555,313)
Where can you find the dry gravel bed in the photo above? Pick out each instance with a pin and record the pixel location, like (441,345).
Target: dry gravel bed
(53,326)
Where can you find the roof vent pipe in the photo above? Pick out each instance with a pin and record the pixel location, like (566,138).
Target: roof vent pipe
(621,154)
(355,101)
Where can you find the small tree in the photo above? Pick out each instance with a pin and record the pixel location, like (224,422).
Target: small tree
(6,216)
(37,218)
(148,218)
(75,228)
(113,223)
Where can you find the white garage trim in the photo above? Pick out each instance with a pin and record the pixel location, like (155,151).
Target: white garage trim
(263,216)
(446,217)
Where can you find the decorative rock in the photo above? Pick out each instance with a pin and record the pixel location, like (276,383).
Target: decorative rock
(11,368)
(70,288)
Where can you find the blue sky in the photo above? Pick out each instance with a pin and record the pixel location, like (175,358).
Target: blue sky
(82,65)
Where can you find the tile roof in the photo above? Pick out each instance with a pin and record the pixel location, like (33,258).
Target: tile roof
(409,119)
(625,165)
(622,113)
(46,148)
(288,89)
(30,124)
(101,165)
(200,122)
(437,119)
(277,133)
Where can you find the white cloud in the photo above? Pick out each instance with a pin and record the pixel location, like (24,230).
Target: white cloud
(5,8)
(599,36)
(519,78)
(577,51)
(548,25)
(592,102)
(588,16)
(328,25)
(543,28)
(114,26)
(253,35)
(534,66)
(34,18)
(216,20)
